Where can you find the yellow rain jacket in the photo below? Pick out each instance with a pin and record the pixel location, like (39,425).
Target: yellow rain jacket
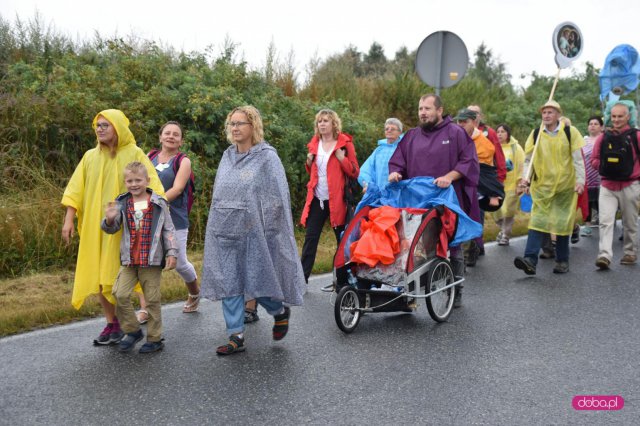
(98,179)
(514,152)
(553,182)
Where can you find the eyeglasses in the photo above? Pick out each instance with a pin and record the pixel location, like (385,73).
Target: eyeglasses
(390,129)
(233,124)
(102,126)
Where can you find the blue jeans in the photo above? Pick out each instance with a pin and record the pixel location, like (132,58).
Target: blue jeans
(233,311)
(534,244)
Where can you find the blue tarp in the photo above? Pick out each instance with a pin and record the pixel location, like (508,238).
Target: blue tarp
(621,70)
(422,193)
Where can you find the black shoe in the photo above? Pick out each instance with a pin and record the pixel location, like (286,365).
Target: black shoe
(472,254)
(251,316)
(129,341)
(561,268)
(575,235)
(150,347)
(548,254)
(457,299)
(525,264)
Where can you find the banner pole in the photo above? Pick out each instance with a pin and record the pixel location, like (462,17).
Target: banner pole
(535,144)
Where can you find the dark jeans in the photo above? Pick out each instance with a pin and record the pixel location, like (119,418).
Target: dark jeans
(534,244)
(315,222)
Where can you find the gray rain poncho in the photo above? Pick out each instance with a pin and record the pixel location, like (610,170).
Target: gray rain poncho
(249,243)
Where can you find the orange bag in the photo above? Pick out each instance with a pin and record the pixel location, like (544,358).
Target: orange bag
(379,240)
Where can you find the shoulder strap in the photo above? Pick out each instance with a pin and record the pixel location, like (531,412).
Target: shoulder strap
(567,132)
(633,134)
(153,153)
(177,161)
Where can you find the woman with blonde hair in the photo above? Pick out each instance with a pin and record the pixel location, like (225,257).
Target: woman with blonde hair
(331,160)
(250,250)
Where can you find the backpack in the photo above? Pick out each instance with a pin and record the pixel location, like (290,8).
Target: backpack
(567,132)
(616,154)
(191,184)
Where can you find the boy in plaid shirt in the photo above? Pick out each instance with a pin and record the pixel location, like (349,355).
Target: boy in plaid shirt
(147,239)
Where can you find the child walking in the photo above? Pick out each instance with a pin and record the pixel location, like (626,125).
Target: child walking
(147,239)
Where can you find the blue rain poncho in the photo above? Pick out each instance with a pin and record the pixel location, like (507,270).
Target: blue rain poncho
(421,192)
(376,168)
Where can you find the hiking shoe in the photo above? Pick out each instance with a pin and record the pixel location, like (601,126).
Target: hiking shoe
(628,259)
(129,341)
(525,264)
(504,241)
(105,336)
(603,263)
(561,268)
(575,235)
(251,316)
(457,299)
(236,344)
(471,257)
(281,324)
(547,254)
(116,332)
(586,231)
(150,347)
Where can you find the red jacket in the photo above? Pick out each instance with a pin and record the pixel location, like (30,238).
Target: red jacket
(498,157)
(336,172)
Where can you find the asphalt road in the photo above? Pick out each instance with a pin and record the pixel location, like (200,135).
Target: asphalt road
(517,353)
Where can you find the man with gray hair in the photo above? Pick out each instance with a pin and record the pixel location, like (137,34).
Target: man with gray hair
(616,156)
(557,179)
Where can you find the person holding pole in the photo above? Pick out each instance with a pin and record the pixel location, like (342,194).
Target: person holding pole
(554,178)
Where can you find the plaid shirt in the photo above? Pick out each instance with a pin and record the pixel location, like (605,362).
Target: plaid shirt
(140,238)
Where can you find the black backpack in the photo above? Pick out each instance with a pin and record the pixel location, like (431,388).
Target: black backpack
(567,132)
(616,154)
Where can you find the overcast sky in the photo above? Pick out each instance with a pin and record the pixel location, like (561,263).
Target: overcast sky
(519,32)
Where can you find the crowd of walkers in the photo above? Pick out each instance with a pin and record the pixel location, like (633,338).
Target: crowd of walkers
(132,208)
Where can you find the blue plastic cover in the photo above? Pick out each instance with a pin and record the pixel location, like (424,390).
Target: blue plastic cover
(621,70)
(422,193)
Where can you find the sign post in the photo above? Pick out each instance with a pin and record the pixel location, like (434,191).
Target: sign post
(567,43)
(442,60)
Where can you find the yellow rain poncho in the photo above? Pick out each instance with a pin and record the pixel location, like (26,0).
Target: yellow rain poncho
(553,182)
(514,152)
(98,179)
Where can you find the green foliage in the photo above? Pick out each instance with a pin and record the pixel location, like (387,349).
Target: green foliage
(51,88)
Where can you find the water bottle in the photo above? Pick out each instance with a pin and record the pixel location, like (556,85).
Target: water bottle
(352,280)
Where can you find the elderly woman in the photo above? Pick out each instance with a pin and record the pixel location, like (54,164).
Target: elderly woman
(97,181)
(514,155)
(330,162)
(249,248)
(376,168)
